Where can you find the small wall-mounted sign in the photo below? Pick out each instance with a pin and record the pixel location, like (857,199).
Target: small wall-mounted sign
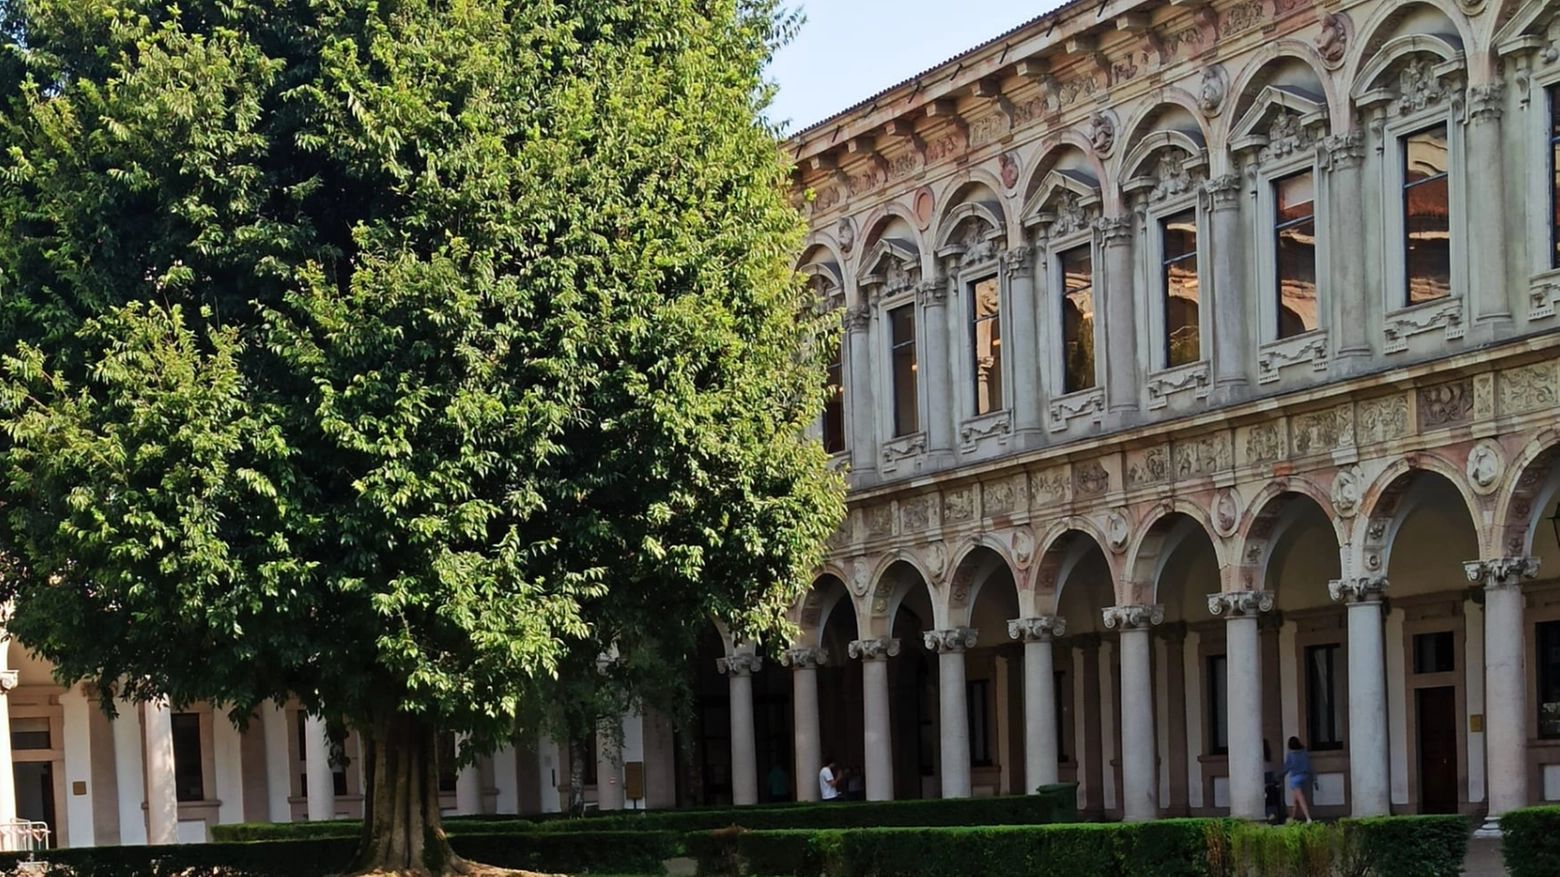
(79,788)
(1476,723)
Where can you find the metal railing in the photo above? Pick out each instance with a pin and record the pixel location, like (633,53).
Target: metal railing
(23,836)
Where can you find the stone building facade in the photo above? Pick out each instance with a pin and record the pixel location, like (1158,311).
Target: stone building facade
(1198,389)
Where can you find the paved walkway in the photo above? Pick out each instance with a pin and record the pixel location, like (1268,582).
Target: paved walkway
(1484,859)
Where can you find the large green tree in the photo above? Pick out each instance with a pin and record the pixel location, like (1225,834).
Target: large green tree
(403,356)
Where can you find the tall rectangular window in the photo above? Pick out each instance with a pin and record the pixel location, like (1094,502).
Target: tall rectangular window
(1554,173)
(189,782)
(1183,343)
(986,334)
(1218,705)
(1323,688)
(447,753)
(978,702)
(907,415)
(1294,227)
(1435,652)
(1077,268)
(1427,250)
(834,405)
(1062,695)
(1548,642)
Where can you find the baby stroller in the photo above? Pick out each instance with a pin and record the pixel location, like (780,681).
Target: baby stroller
(1273,797)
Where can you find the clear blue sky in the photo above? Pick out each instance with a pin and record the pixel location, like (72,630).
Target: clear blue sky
(850,50)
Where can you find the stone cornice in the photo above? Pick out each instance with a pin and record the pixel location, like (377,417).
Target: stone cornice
(1429,373)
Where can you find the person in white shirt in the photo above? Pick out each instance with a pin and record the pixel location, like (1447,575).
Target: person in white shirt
(828,780)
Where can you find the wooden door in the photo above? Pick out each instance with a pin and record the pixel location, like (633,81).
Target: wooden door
(1437,709)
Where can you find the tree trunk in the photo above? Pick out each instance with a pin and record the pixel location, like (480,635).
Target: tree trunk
(402,832)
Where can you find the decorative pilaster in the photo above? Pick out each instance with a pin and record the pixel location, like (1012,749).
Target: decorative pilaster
(859,395)
(739,669)
(935,364)
(1487,233)
(954,733)
(319,781)
(1122,391)
(1243,670)
(1505,681)
(1028,398)
(1139,751)
(1041,747)
(804,664)
(876,737)
(1369,757)
(1344,158)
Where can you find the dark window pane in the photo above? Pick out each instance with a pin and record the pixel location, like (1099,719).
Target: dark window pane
(902,340)
(1078,371)
(834,407)
(1426,216)
(978,703)
(1323,690)
(1218,706)
(1183,344)
(188,781)
(986,302)
(30,733)
(1295,224)
(1435,652)
(1063,697)
(1549,679)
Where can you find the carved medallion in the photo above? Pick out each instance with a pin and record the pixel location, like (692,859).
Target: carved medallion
(1117,531)
(1346,488)
(1485,465)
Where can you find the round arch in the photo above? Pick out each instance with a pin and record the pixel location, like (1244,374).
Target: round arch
(1386,504)
(1373,35)
(1532,486)
(1277,512)
(1153,544)
(1269,56)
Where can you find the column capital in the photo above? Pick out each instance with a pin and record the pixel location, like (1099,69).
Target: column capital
(1240,604)
(810,658)
(1345,151)
(1362,589)
(1115,231)
(857,319)
(932,293)
(8,680)
(1040,629)
(955,639)
(1019,262)
(1486,103)
(1224,191)
(740,664)
(1501,572)
(1132,617)
(879,649)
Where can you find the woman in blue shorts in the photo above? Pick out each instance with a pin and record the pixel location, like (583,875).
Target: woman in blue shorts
(1297,776)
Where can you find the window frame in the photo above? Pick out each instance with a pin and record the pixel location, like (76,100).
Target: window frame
(1273,285)
(835,400)
(1056,277)
(891,346)
(1404,191)
(1551,92)
(1216,684)
(968,281)
(1542,678)
(1163,379)
(1401,320)
(184,771)
(1162,265)
(978,706)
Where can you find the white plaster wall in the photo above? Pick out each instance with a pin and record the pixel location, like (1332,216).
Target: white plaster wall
(1194,721)
(1473,688)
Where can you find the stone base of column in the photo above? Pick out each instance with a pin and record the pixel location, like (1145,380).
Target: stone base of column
(1490,830)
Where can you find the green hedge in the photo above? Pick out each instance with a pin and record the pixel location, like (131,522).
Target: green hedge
(573,852)
(1530,841)
(458,825)
(1392,847)
(1057,805)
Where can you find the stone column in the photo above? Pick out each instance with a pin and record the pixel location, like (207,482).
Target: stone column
(1231,349)
(162,799)
(804,664)
(1120,315)
(877,740)
(1243,669)
(278,762)
(1505,681)
(1140,789)
(938,410)
(739,669)
(506,779)
(609,767)
(1028,400)
(1040,743)
(1179,767)
(319,784)
(1369,756)
(8,681)
(1352,303)
(468,785)
(950,646)
(1487,206)
(128,774)
(860,409)
(76,715)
